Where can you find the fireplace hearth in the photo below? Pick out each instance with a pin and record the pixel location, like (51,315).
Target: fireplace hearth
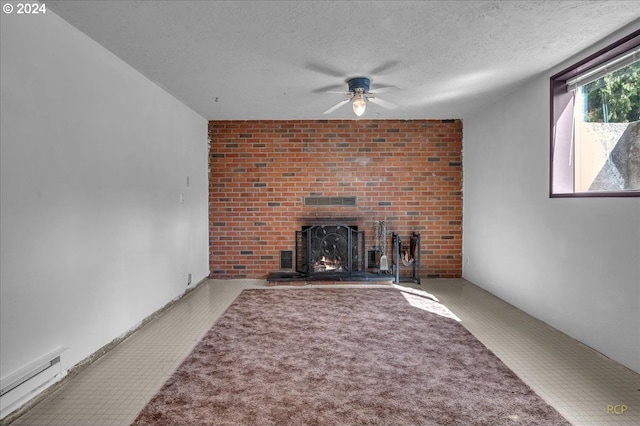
(329,253)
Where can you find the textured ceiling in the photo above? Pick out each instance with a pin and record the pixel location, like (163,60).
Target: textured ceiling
(276,60)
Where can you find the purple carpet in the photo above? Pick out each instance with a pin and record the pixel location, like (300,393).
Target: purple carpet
(342,357)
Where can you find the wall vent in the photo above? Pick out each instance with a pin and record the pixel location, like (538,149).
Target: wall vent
(330,201)
(373,259)
(286,259)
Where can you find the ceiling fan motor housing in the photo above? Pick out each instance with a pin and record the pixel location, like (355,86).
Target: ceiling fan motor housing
(358,84)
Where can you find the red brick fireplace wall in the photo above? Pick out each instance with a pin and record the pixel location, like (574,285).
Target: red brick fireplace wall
(405,172)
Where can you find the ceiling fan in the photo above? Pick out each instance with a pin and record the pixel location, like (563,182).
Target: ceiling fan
(359,93)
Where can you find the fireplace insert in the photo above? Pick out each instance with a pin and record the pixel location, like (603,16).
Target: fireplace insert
(329,249)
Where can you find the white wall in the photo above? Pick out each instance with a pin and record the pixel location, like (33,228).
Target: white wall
(573,263)
(95,157)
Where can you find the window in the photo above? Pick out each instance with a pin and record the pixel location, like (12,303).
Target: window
(595,124)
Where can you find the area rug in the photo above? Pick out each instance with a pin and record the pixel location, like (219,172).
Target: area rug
(342,357)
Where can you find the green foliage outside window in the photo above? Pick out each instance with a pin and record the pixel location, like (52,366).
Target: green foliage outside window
(614,98)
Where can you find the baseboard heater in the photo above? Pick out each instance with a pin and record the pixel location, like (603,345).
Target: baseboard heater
(19,387)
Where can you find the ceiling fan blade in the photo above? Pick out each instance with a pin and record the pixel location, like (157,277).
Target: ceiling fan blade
(326,88)
(336,106)
(384,89)
(324,69)
(384,67)
(382,103)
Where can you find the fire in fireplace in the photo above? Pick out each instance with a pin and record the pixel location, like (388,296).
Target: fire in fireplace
(329,248)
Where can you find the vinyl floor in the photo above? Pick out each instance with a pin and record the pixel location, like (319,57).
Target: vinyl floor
(583,385)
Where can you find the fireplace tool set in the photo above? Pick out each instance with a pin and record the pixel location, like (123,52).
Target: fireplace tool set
(381,244)
(407,256)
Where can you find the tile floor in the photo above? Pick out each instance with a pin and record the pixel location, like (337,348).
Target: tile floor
(579,382)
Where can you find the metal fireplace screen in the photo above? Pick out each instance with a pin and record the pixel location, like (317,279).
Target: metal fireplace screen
(329,248)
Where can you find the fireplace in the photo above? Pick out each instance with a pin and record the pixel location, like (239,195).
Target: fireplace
(329,249)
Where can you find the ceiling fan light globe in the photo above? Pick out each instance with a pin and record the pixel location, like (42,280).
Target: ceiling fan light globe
(359,105)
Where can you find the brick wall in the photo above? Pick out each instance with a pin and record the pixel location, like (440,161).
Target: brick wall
(405,172)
